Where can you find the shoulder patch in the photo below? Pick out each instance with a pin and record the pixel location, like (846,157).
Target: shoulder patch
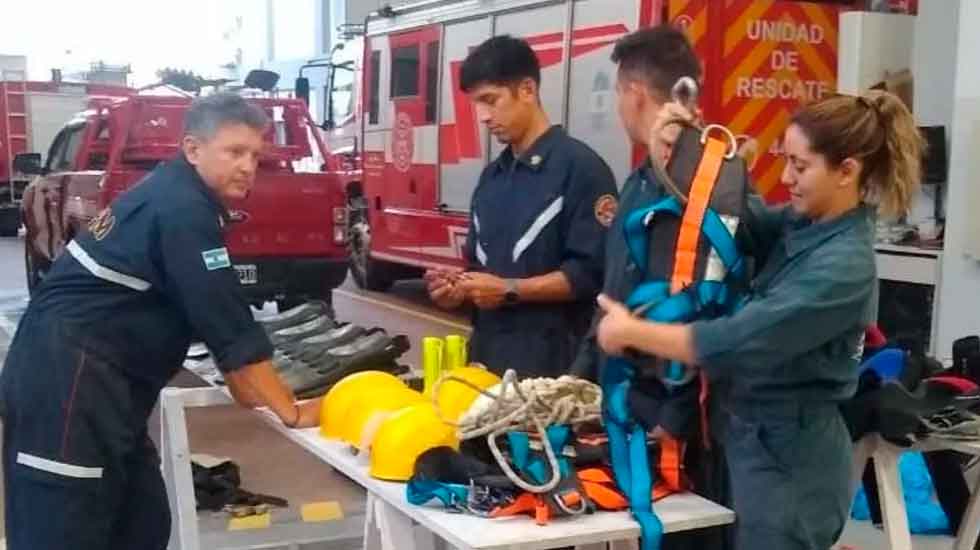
(101,225)
(605,210)
(216,258)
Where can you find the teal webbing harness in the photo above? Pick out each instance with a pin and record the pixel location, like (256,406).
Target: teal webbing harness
(659,300)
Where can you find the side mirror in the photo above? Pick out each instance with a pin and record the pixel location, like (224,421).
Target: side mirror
(302,89)
(28,164)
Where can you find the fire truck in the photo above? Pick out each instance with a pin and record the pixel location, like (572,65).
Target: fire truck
(31,113)
(406,144)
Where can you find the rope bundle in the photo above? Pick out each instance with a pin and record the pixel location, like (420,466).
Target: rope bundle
(527,405)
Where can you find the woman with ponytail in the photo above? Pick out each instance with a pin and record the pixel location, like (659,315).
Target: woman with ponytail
(780,365)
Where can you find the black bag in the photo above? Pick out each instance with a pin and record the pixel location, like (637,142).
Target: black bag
(220,485)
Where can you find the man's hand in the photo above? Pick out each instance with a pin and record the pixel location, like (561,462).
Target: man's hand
(309,413)
(666,128)
(258,384)
(483,289)
(443,287)
(614,328)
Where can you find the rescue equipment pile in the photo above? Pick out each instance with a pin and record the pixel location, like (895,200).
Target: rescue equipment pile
(485,445)
(533,447)
(313,351)
(908,397)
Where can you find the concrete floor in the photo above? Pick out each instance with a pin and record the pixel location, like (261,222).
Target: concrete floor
(271,464)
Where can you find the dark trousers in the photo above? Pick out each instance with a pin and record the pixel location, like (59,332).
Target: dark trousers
(125,510)
(78,467)
(789,469)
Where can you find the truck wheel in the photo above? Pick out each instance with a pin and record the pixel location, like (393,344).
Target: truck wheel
(368,273)
(9,221)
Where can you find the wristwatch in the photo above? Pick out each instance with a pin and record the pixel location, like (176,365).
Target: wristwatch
(511,297)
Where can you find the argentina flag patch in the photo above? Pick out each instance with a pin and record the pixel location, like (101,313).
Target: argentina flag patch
(216,258)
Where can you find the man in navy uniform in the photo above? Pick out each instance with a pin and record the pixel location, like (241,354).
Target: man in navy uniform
(110,326)
(537,223)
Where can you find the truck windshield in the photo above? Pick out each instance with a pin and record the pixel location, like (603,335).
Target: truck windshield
(293,139)
(342,94)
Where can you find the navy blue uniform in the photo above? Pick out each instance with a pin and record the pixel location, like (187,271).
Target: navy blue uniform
(108,328)
(532,215)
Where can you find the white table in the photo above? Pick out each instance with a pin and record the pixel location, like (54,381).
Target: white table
(394,523)
(893,513)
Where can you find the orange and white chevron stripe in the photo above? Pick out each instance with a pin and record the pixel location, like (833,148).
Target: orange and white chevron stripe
(763,59)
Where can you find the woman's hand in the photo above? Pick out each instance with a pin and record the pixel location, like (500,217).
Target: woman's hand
(619,330)
(614,329)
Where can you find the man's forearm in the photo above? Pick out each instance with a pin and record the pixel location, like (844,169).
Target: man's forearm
(257,385)
(550,287)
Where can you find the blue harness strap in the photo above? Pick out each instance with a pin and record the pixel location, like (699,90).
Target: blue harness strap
(535,465)
(451,495)
(628,450)
(655,301)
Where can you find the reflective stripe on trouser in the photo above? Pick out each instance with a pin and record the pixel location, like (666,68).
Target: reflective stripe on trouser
(77,464)
(790,478)
(125,509)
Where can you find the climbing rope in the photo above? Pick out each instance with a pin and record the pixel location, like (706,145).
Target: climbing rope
(527,405)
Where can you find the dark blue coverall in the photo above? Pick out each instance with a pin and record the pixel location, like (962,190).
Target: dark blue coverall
(532,215)
(107,329)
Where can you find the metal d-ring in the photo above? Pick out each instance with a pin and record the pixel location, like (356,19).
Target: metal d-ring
(685,92)
(732,142)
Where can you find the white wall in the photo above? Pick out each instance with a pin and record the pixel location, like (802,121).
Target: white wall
(873,44)
(934,69)
(959,312)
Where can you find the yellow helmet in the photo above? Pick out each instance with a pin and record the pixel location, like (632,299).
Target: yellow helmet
(340,397)
(367,412)
(404,436)
(454,398)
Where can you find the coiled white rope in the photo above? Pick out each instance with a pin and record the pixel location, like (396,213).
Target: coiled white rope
(527,405)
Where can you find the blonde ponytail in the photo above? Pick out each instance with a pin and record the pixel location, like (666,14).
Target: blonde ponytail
(877,129)
(894,178)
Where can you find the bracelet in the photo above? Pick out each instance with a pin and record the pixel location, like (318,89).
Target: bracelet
(295,421)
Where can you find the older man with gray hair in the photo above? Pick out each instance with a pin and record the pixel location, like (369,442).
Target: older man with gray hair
(110,326)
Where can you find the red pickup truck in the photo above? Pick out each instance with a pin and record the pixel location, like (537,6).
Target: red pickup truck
(287,239)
